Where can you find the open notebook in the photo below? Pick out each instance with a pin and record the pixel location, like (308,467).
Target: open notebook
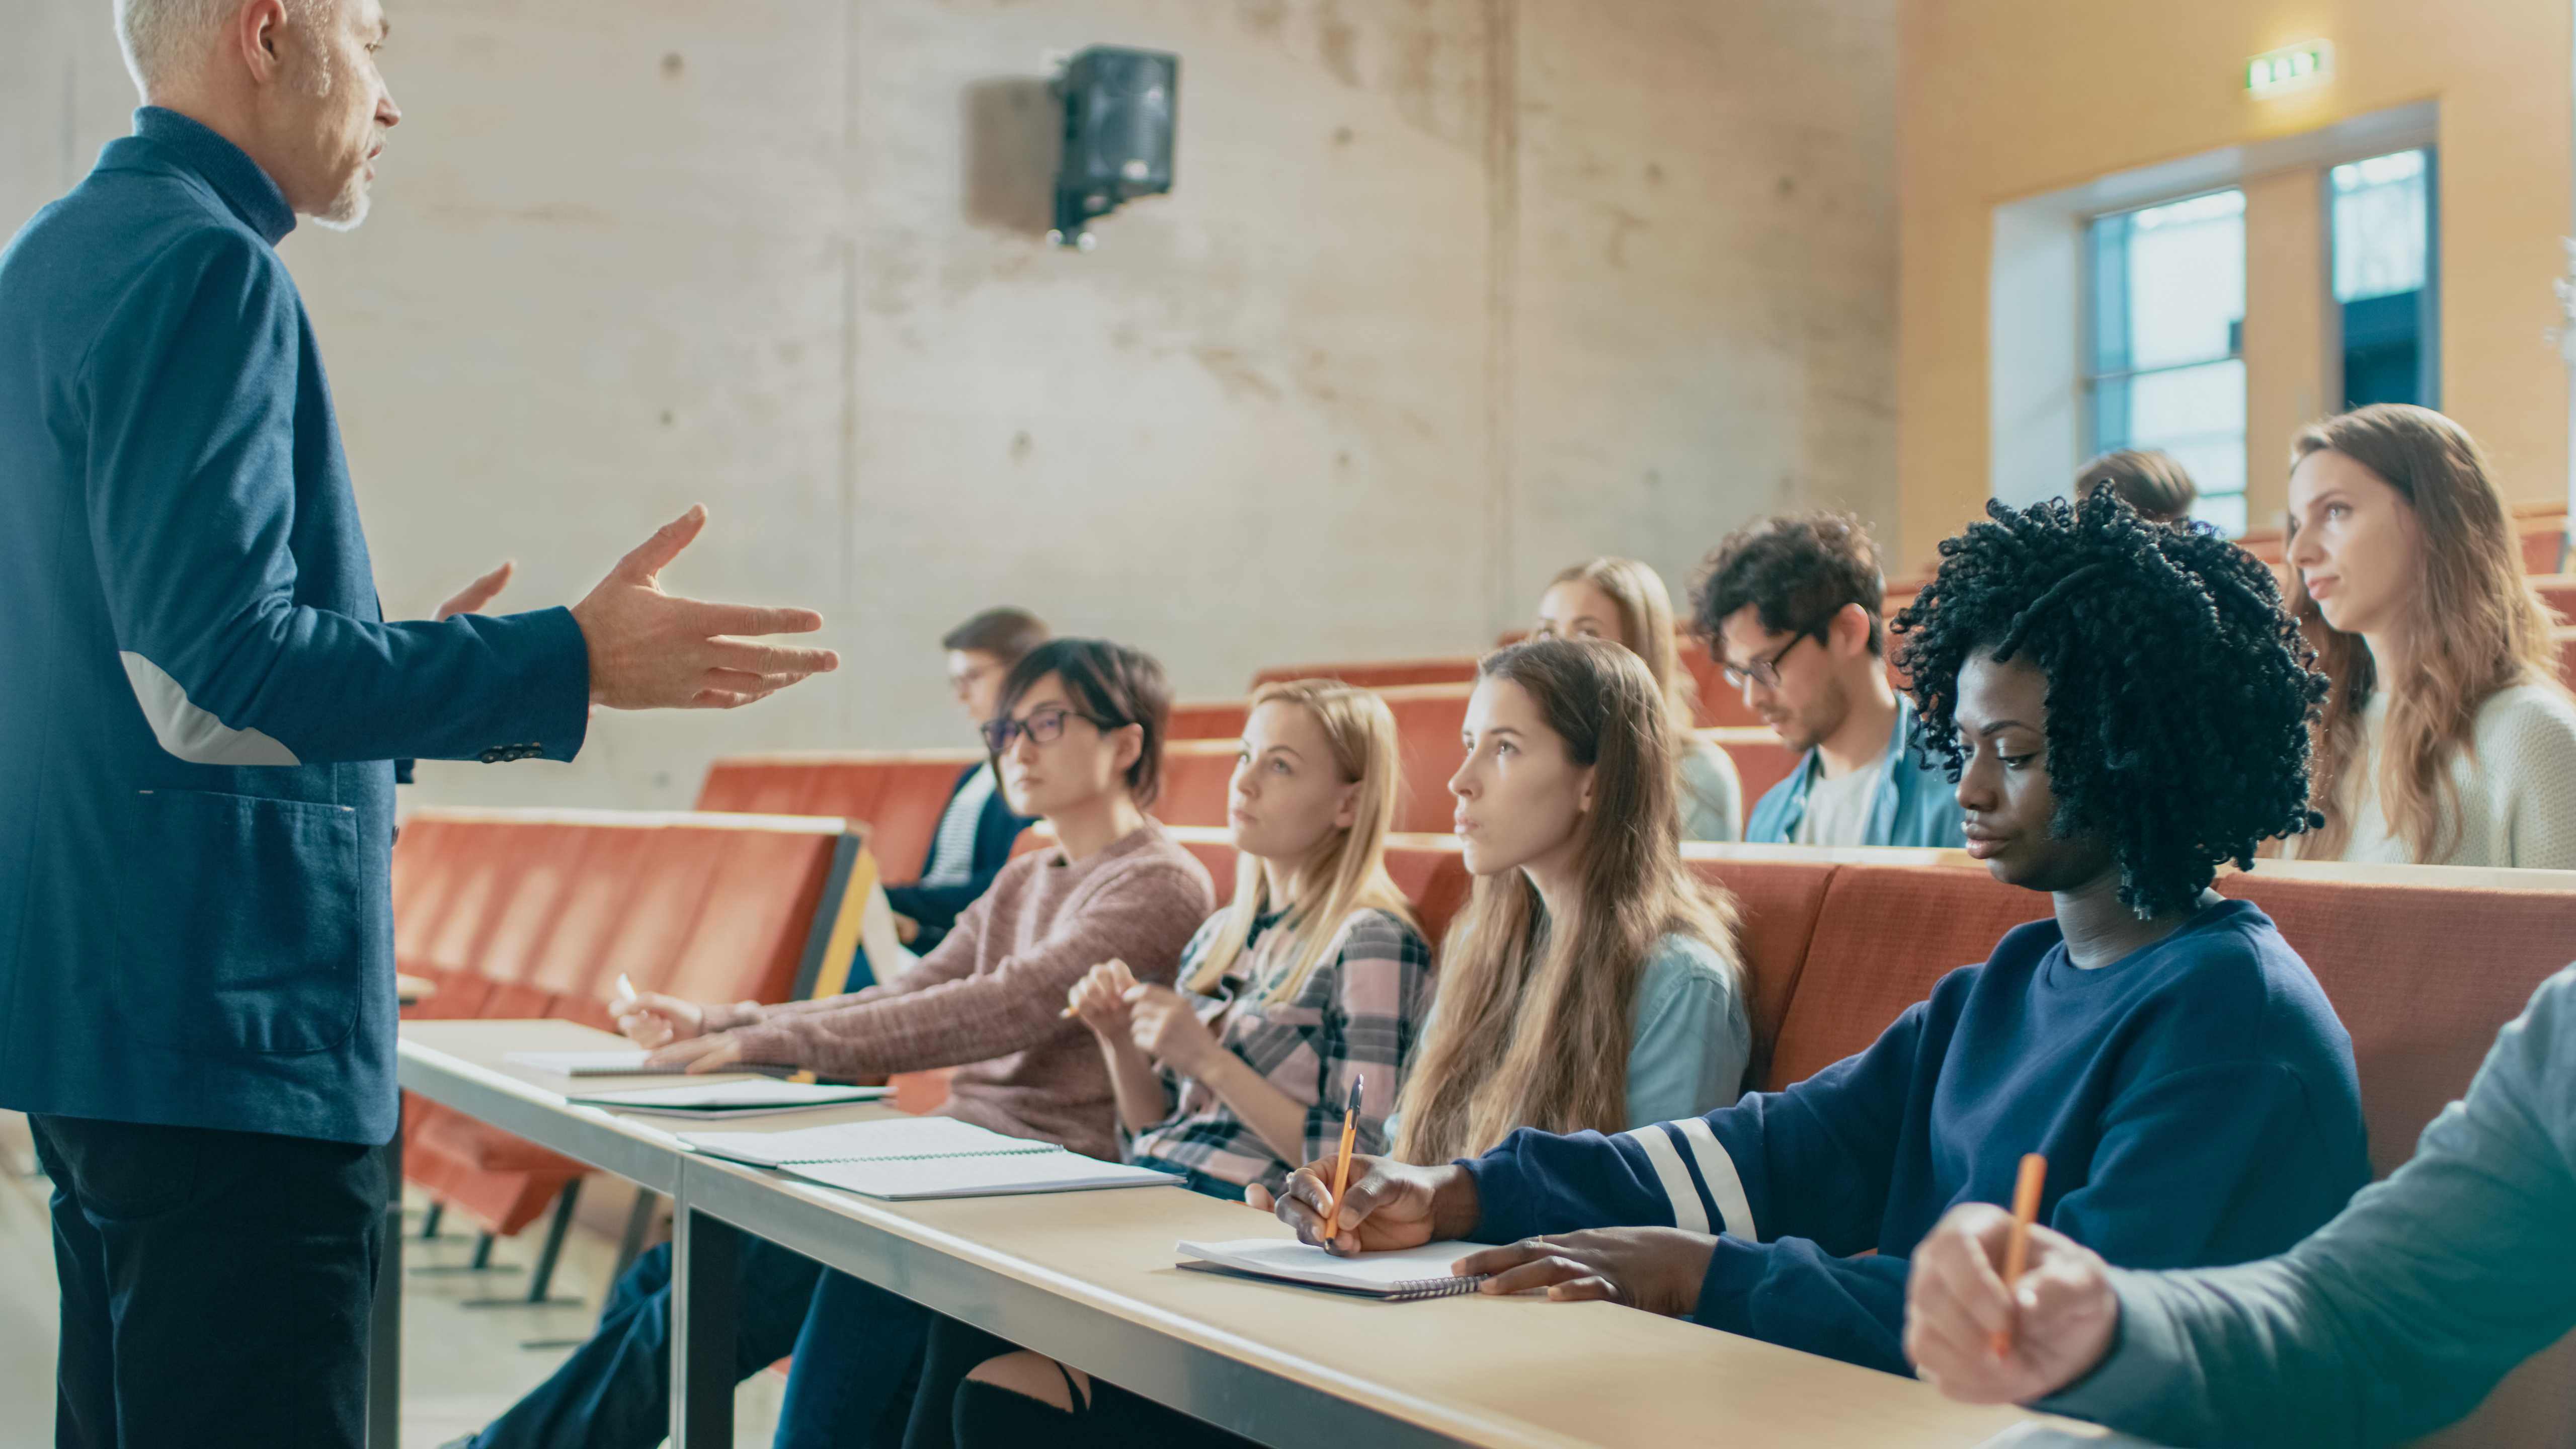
(628,1063)
(1399,1276)
(727,1099)
(906,1159)
(891,1140)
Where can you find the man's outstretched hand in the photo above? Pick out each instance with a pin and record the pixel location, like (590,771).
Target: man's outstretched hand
(471,598)
(649,650)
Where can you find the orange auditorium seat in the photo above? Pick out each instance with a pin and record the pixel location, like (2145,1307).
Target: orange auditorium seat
(1429,719)
(1198,780)
(898,794)
(1379,674)
(1208,719)
(1760,759)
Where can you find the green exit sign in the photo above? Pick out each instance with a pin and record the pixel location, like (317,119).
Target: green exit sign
(2291,68)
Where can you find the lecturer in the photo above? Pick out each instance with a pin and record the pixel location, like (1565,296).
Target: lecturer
(196,787)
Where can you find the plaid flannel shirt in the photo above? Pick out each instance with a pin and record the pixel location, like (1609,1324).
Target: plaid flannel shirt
(1359,1014)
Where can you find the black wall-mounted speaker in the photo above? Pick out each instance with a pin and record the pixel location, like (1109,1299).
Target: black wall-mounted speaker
(1119,109)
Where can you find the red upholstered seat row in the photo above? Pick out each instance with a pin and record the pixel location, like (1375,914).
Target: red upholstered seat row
(523,913)
(898,793)
(2424,965)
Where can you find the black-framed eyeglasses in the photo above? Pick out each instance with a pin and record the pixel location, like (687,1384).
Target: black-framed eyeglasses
(1044,726)
(1766,671)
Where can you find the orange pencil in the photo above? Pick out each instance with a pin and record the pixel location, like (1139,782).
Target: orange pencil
(2034,1172)
(1342,1169)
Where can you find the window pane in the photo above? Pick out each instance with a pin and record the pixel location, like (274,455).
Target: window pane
(2379,226)
(2225,512)
(2382,220)
(2170,283)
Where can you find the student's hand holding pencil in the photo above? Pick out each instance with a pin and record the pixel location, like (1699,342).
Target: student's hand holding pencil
(1388,1204)
(2059,1317)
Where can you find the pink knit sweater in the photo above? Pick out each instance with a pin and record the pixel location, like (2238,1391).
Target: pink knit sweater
(987,1000)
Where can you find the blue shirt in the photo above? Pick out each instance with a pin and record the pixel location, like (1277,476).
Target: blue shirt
(1916,803)
(1692,1038)
(196,787)
(2196,1101)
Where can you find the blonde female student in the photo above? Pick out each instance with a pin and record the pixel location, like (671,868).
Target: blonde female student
(1592,982)
(2447,739)
(1625,602)
(1314,980)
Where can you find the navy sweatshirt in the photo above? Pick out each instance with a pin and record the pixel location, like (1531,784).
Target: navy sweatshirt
(2196,1101)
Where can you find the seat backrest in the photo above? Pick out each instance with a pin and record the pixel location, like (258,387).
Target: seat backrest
(1380,673)
(2558,591)
(1432,875)
(759,908)
(1198,778)
(1428,720)
(2424,973)
(763,785)
(1208,719)
(1761,760)
(1777,903)
(1884,934)
(899,794)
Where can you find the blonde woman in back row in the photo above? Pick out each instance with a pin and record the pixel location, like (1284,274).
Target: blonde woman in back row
(1624,601)
(2447,739)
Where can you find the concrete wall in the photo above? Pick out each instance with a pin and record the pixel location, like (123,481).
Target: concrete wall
(2004,99)
(1450,293)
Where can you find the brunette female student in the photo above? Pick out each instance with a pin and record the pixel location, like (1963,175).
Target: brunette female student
(1591,982)
(2448,739)
(2125,707)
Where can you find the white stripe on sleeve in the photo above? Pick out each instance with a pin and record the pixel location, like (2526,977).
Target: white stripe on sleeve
(1672,1176)
(1717,1169)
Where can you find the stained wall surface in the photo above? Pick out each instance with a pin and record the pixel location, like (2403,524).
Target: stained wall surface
(1450,293)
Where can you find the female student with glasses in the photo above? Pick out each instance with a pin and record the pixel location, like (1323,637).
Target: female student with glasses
(1079,742)
(1313,982)
(1591,982)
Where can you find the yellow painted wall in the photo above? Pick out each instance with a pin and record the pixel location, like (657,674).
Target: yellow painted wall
(2002,99)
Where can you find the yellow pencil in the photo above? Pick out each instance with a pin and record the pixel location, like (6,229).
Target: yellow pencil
(2034,1172)
(1342,1168)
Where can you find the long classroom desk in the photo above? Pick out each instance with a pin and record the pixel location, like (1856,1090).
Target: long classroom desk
(1089,1279)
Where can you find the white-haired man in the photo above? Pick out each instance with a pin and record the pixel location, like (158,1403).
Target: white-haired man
(197,750)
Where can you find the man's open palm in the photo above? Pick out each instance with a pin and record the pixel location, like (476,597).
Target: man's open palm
(650,650)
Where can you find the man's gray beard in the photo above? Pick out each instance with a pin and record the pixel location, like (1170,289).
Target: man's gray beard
(348,209)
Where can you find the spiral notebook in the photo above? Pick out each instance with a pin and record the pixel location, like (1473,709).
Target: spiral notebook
(895,1139)
(1400,1276)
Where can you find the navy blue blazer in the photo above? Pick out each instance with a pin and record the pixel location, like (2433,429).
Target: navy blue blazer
(204,702)
(937,907)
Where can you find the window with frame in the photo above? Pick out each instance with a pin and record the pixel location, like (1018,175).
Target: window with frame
(2381,213)
(2165,358)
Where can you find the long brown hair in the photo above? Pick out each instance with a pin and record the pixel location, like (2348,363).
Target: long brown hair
(1348,872)
(1532,1028)
(2473,627)
(1646,626)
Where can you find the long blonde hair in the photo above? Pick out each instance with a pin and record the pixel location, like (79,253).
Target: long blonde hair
(2474,627)
(1645,626)
(1350,865)
(1533,1024)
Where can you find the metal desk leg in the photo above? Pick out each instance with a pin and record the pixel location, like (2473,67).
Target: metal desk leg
(706,1291)
(384,1332)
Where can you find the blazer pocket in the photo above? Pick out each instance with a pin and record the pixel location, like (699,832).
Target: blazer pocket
(238,923)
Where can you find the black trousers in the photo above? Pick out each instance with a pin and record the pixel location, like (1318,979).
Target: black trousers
(216,1285)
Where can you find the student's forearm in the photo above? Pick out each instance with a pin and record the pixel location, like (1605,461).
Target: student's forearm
(1134,1082)
(1278,1119)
